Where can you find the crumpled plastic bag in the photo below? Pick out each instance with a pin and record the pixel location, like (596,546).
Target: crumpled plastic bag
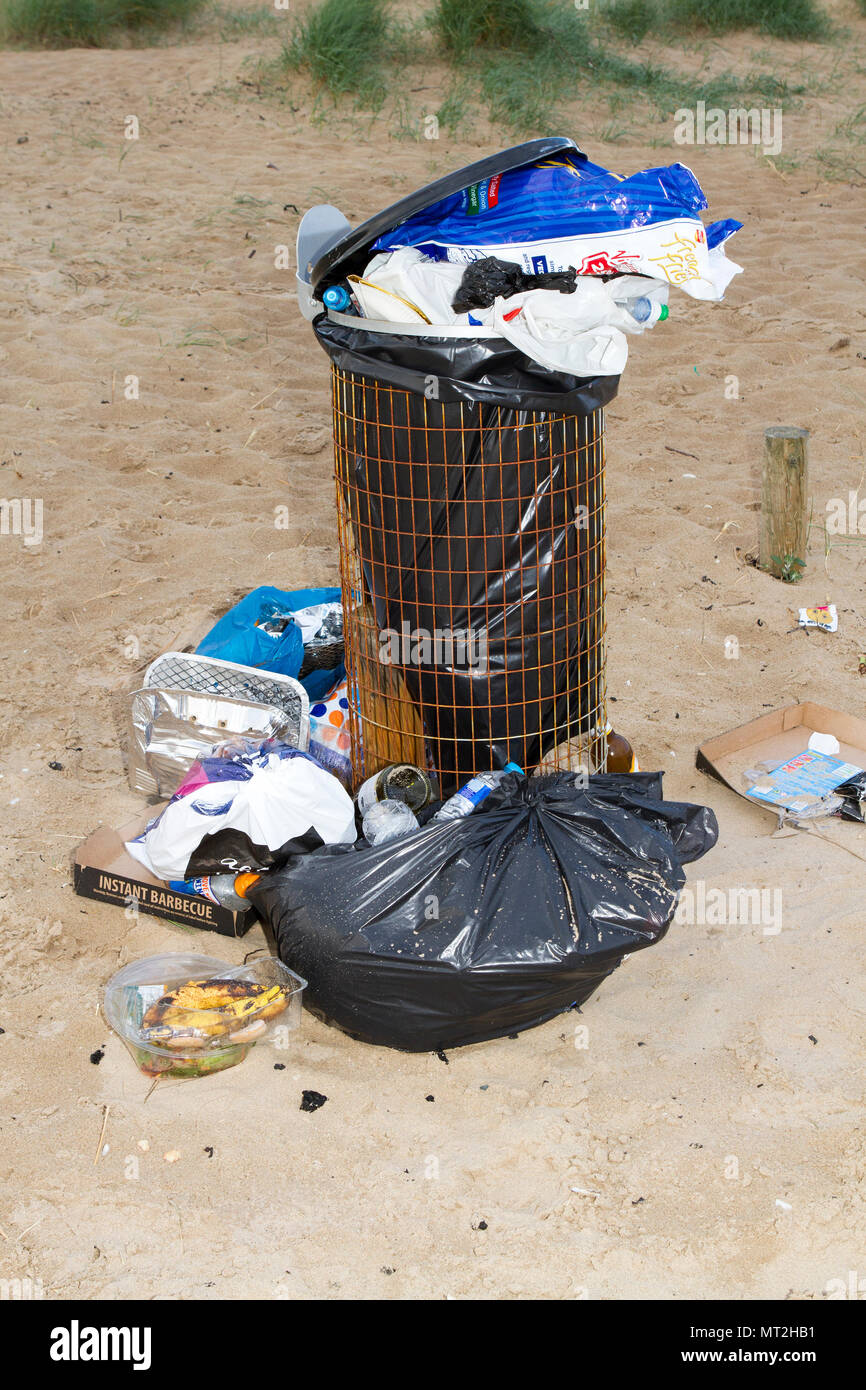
(490,278)
(246,814)
(330,740)
(581,333)
(555,214)
(269,629)
(471,929)
(427,284)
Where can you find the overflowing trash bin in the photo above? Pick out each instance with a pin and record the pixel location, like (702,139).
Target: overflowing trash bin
(385,773)
(470,494)
(469,446)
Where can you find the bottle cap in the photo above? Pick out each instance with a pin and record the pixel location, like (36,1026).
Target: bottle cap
(245,881)
(336,297)
(664,313)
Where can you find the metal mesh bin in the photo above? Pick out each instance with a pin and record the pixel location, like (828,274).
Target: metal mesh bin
(470,497)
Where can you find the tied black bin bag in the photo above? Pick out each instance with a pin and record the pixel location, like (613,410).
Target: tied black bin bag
(470,492)
(472,929)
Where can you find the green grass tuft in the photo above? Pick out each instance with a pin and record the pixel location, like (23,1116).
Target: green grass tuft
(668,19)
(520,95)
(242,24)
(781,19)
(151,14)
(633,19)
(343,44)
(87,23)
(524,89)
(463,25)
(455,113)
(55,23)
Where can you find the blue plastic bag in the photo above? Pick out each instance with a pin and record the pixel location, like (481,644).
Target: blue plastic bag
(549,199)
(554,214)
(237,637)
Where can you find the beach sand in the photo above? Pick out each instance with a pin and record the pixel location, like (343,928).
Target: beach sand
(707,1140)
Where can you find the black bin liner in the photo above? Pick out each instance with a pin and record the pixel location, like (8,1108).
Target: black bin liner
(476,928)
(477,503)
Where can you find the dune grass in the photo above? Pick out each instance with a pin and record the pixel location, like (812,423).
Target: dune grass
(635,20)
(522,60)
(463,25)
(87,23)
(780,19)
(245,23)
(525,80)
(55,23)
(344,46)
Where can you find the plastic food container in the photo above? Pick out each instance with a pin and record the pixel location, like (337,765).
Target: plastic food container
(173,1035)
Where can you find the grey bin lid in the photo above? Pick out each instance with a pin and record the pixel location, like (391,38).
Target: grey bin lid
(351,253)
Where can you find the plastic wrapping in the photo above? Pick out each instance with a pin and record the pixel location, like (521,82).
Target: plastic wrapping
(853,797)
(562,212)
(330,743)
(438,292)
(326,255)
(245,814)
(471,929)
(194,1042)
(322,629)
(171,728)
(476,370)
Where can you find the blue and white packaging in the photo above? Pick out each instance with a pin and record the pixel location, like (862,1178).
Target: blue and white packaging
(555,214)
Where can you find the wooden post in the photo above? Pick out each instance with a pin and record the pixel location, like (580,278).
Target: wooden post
(784,501)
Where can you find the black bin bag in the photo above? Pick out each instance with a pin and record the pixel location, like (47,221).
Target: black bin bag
(478,509)
(471,929)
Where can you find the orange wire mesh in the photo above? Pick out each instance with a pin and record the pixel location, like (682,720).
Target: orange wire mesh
(434,503)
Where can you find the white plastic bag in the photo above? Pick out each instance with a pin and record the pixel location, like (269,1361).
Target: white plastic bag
(581,333)
(428,285)
(246,814)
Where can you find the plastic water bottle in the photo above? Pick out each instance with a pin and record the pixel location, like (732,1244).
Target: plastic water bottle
(648,311)
(337,297)
(227,890)
(388,820)
(477,789)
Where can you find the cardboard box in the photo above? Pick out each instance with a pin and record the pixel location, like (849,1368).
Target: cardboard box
(105,871)
(782,734)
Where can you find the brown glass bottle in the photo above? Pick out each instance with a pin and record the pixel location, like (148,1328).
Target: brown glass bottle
(620,756)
